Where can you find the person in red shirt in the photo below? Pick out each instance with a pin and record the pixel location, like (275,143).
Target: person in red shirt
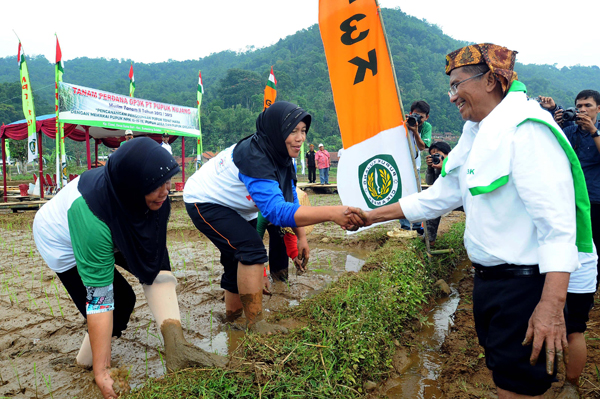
(323,163)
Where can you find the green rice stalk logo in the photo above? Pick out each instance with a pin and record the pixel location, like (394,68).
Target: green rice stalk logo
(32,145)
(380,181)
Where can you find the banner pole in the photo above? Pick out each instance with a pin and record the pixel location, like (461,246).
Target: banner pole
(410,143)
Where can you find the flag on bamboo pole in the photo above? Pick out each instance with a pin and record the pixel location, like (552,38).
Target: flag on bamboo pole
(270,90)
(199,101)
(28,106)
(131,81)
(376,169)
(61,157)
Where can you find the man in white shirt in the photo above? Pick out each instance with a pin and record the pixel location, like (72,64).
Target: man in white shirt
(165,143)
(522,268)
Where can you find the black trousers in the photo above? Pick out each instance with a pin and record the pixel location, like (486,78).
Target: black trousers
(595,214)
(312,174)
(124,296)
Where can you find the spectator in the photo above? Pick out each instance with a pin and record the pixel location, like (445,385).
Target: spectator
(312,166)
(128,136)
(417,124)
(438,151)
(165,143)
(323,160)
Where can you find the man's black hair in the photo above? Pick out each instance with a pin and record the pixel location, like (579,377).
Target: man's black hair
(441,146)
(421,106)
(587,94)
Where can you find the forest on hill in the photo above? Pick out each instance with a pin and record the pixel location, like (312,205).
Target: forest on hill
(234,82)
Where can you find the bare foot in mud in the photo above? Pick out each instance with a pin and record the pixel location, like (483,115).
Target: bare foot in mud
(181,354)
(264,328)
(568,391)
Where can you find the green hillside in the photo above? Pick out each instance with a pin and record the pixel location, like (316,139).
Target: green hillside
(234,82)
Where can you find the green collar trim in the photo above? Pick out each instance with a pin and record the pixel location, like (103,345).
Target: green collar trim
(582,199)
(517,86)
(488,189)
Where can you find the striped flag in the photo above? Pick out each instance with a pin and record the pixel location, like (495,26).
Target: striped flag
(377,167)
(28,106)
(131,81)
(61,156)
(270,90)
(199,101)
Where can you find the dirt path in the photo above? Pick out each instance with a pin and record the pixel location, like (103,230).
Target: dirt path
(464,373)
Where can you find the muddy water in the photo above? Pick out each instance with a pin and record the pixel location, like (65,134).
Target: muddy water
(420,378)
(41,330)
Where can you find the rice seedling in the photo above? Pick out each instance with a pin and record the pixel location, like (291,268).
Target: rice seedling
(48,384)
(146,362)
(48,302)
(57,298)
(32,300)
(16,371)
(161,360)
(35,377)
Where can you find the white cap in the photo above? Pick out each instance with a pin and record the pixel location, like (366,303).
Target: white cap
(128,132)
(321,145)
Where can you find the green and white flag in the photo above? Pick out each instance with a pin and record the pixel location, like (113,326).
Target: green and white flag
(28,107)
(61,156)
(131,81)
(199,101)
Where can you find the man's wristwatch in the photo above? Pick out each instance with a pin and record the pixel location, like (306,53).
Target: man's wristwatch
(594,135)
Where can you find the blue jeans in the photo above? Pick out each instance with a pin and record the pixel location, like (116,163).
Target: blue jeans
(324,175)
(405,224)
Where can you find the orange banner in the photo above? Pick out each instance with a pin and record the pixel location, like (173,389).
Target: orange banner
(361,74)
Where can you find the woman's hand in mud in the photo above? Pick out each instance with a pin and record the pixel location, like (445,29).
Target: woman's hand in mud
(303,255)
(105,383)
(266,285)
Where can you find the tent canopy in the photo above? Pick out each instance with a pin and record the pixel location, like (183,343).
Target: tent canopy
(47,125)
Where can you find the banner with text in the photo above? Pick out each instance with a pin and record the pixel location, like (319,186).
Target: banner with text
(91,107)
(376,168)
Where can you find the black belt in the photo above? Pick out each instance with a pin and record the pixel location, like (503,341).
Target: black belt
(505,271)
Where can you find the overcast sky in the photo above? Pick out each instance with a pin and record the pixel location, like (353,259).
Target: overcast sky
(544,32)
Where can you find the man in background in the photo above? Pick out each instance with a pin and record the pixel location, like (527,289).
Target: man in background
(438,151)
(420,130)
(165,143)
(312,166)
(323,160)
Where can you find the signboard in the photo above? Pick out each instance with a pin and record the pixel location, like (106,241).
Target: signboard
(92,107)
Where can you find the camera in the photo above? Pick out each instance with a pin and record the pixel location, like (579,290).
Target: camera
(413,119)
(570,114)
(436,159)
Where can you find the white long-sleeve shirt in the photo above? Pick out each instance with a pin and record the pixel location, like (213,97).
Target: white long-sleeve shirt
(530,220)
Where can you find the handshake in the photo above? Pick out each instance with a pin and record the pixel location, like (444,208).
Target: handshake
(353,218)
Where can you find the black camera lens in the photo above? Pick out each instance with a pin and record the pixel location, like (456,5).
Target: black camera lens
(413,119)
(570,114)
(436,159)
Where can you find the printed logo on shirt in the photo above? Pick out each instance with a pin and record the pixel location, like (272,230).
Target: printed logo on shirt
(380,181)
(470,171)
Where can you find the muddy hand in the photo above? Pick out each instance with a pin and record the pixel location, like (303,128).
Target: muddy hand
(303,257)
(105,383)
(546,328)
(266,286)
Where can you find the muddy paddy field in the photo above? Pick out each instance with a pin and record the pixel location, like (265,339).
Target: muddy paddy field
(41,330)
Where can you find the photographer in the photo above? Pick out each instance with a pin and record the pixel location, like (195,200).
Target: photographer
(437,153)
(584,137)
(417,124)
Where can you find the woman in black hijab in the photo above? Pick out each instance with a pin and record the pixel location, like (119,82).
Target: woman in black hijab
(117,214)
(224,196)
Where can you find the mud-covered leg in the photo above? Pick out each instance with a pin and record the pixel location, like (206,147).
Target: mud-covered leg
(179,354)
(250,286)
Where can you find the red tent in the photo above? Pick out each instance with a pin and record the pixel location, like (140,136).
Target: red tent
(47,125)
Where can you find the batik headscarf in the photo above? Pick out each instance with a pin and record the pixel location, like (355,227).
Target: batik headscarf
(500,60)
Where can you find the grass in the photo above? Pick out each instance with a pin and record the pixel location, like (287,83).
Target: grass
(348,334)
